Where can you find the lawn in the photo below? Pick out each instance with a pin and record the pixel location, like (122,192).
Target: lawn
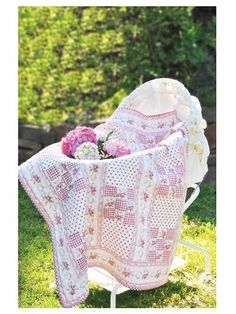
(184,288)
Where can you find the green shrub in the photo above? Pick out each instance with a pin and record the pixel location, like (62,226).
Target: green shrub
(77,63)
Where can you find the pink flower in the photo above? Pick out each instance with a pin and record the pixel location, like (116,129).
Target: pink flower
(86,134)
(58,220)
(116,148)
(161,125)
(36,178)
(142,242)
(48,199)
(95,168)
(126,272)
(75,138)
(150,173)
(75,171)
(145,195)
(121,194)
(119,217)
(90,230)
(93,189)
(66,265)
(72,289)
(168,246)
(90,212)
(82,250)
(93,256)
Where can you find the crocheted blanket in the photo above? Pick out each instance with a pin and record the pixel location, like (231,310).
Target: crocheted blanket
(123,215)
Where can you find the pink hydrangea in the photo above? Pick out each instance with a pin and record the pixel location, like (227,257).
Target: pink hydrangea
(75,138)
(116,148)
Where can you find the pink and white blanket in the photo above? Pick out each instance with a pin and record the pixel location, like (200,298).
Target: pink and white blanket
(124,214)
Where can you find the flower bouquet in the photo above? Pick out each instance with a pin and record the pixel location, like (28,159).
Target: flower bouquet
(82,143)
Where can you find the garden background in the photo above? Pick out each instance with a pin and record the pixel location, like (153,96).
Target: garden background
(75,66)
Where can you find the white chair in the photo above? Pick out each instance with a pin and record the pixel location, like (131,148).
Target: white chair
(153,98)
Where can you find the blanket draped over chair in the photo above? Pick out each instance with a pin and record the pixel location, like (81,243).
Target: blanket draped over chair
(123,214)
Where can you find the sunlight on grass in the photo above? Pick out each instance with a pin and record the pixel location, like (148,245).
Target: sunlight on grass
(184,289)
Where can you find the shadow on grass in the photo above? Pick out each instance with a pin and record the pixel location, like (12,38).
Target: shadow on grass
(203,210)
(35,245)
(139,299)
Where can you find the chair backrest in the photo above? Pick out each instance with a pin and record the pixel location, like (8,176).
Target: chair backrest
(163,95)
(147,115)
(155,96)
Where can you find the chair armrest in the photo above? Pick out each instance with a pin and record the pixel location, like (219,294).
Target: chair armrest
(193,196)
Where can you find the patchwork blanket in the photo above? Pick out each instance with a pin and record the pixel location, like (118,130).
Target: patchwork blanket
(122,214)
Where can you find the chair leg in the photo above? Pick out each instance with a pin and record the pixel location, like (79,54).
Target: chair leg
(113,295)
(202,250)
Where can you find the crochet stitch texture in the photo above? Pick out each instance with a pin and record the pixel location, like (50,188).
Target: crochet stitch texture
(124,214)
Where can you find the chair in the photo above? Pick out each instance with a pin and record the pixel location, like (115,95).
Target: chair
(91,206)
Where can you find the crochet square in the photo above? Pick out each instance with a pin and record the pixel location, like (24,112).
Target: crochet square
(163,189)
(120,204)
(179,191)
(130,194)
(62,194)
(172,179)
(79,185)
(160,244)
(109,213)
(170,234)
(82,262)
(110,190)
(67,178)
(75,240)
(52,173)
(152,256)
(129,219)
(166,256)
(153,232)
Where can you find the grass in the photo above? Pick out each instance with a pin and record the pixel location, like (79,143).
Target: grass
(183,290)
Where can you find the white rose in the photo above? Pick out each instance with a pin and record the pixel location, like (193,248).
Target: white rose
(87,151)
(196,147)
